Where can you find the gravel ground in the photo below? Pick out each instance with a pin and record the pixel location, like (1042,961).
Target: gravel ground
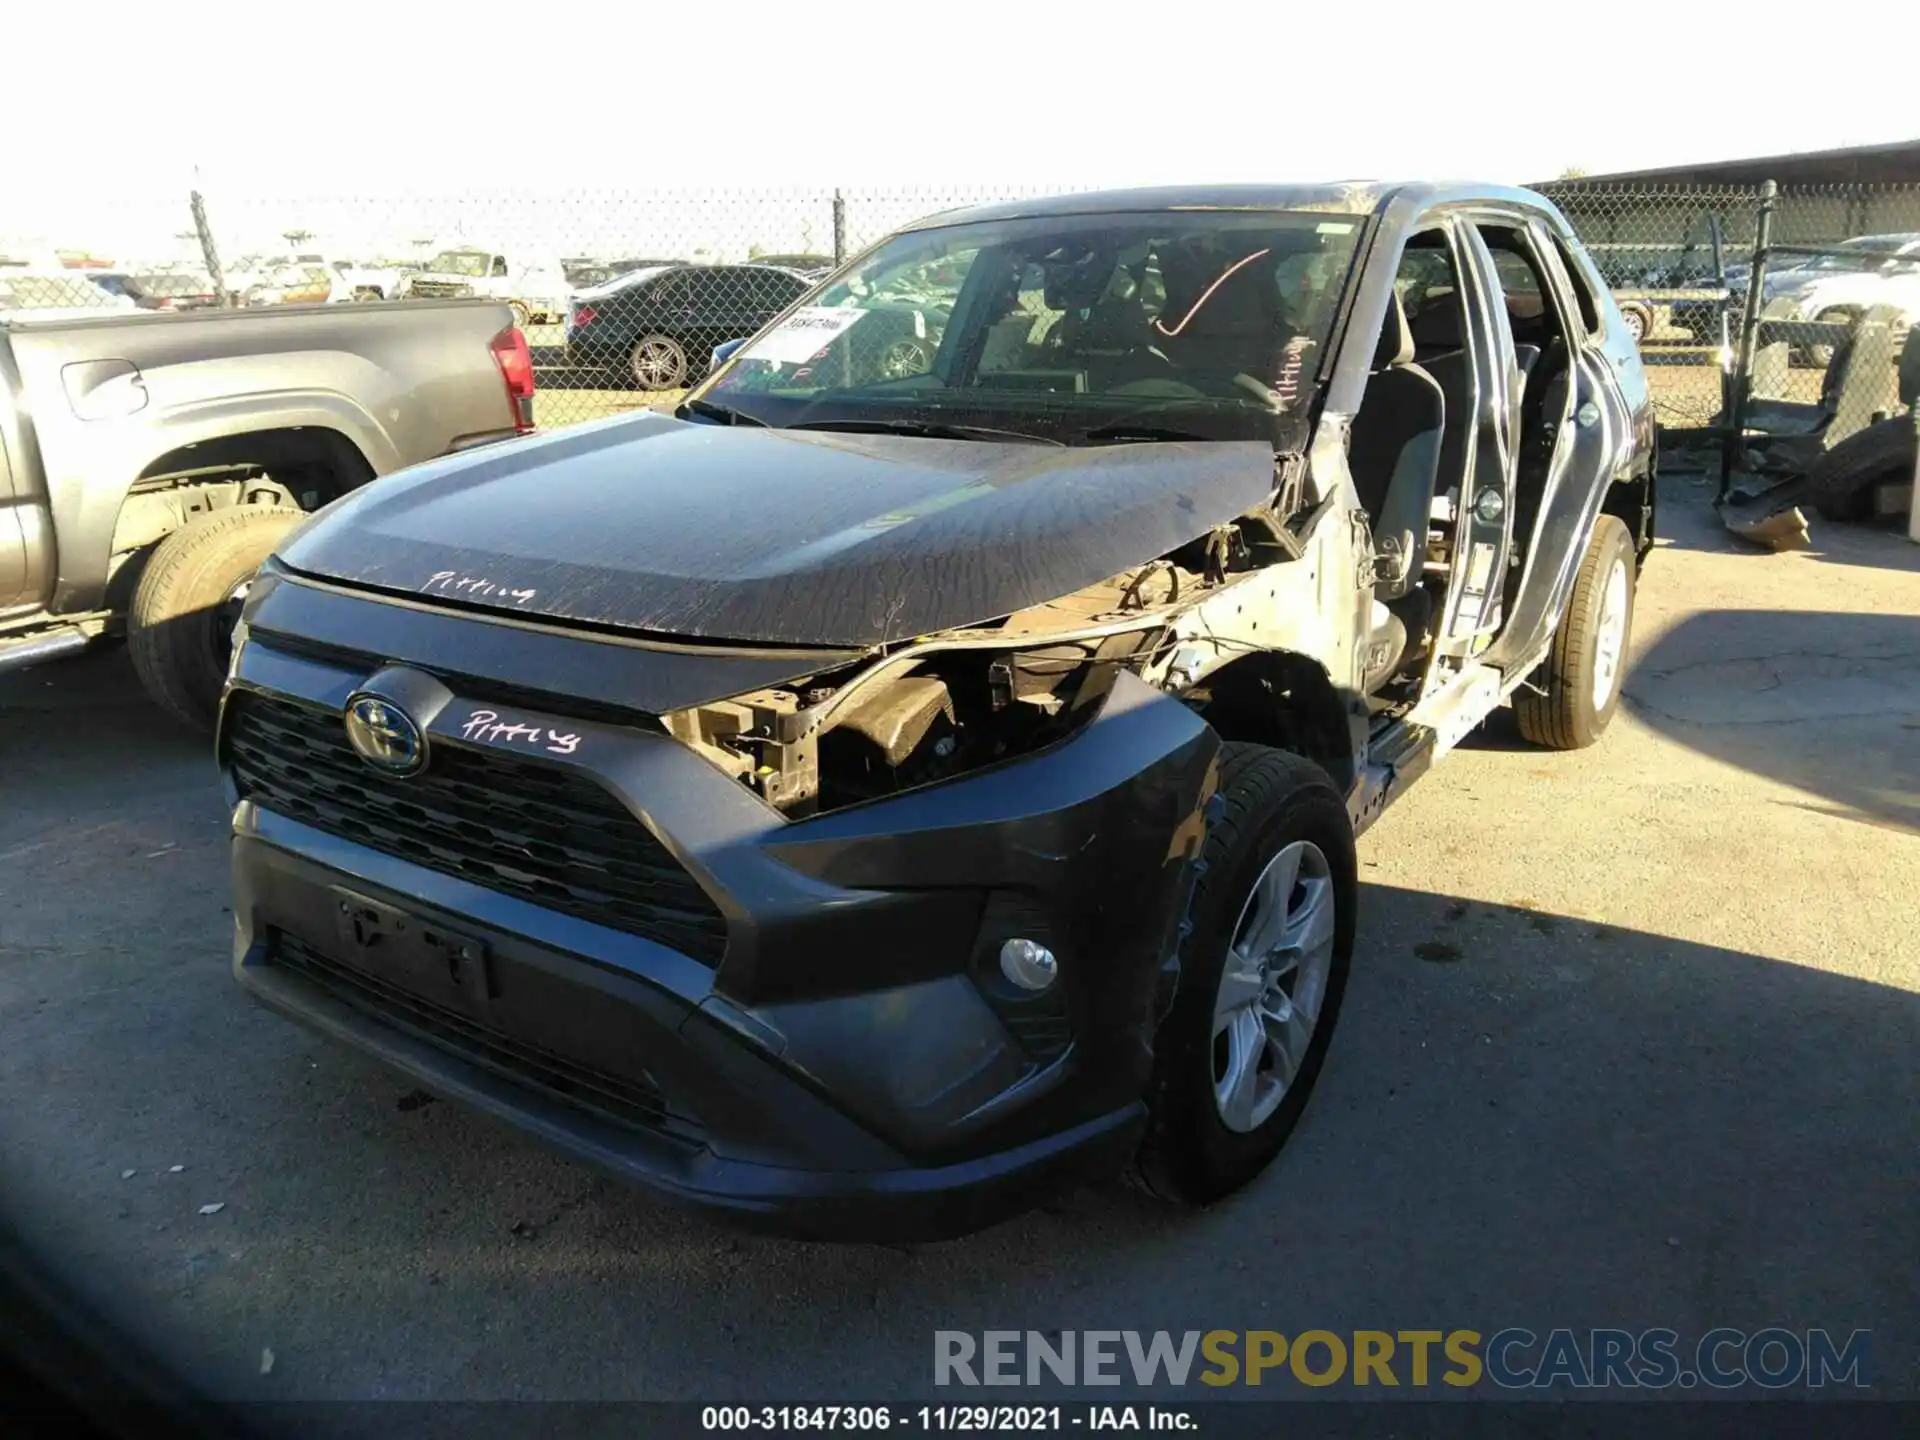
(1631,1040)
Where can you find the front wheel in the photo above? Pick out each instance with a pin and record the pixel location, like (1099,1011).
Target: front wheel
(659,362)
(180,625)
(1569,702)
(1262,974)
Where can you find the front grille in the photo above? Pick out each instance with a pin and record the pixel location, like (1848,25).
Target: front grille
(537,832)
(630,1100)
(439,290)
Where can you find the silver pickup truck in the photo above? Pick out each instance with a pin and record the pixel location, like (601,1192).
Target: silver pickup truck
(148,463)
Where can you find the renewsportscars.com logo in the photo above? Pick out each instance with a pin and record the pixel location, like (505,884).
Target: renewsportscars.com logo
(1773,1358)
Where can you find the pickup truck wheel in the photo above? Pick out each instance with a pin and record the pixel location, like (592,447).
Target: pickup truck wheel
(1262,974)
(1569,702)
(180,626)
(1636,322)
(659,362)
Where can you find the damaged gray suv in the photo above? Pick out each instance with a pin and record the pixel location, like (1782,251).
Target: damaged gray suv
(916,777)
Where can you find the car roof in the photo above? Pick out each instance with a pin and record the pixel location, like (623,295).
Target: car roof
(1344,197)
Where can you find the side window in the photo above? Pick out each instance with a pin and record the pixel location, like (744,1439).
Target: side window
(668,290)
(1531,312)
(1581,284)
(773,292)
(500,265)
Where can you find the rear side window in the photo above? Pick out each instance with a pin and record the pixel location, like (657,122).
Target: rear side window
(1582,285)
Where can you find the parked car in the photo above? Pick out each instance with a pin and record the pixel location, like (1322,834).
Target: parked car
(297,284)
(812,266)
(651,328)
(538,291)
(149,462)
(1839,288)
(862,804)
(64,292)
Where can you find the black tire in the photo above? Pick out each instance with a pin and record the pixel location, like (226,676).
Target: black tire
(1841,483)
(1556,706)
(178,632)
(658,362)
(1638,322)
(1271,799)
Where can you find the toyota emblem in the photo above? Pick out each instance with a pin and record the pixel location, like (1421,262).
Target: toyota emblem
(384,735)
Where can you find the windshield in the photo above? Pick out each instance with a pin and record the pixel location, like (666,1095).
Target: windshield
(1070,328)
(460,262)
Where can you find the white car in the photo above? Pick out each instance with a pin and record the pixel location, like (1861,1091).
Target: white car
(538,291)
(1875,270)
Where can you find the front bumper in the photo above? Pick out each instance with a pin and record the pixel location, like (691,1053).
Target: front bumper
(847,1068)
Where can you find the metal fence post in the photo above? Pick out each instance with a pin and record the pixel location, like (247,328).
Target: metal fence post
(1733,443)
(208,250)
(839,228)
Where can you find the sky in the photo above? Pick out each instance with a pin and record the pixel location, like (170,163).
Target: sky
(588,127)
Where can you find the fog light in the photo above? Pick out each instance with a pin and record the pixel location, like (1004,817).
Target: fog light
(1028,964)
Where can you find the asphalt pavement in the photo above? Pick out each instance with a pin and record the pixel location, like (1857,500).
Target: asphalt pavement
(1632,1040)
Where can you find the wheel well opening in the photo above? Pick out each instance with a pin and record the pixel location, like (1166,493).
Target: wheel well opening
(1283,700)
(314,464)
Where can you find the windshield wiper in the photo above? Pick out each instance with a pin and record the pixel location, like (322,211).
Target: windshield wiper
(726,415)
(927,429)
(1127,430)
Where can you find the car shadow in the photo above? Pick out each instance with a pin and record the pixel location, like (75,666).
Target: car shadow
(1527,1118)
(1827,703)
(81,726)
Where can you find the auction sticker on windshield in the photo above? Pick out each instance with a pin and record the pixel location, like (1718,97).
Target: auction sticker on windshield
(803,334)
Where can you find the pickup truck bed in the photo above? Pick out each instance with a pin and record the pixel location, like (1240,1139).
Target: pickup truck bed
(120,434)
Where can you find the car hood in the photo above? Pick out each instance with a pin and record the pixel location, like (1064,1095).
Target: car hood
(721,532)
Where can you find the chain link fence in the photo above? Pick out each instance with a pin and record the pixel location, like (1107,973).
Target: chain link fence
(623,294)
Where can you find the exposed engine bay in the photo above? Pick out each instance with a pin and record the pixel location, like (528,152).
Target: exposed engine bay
(945,704)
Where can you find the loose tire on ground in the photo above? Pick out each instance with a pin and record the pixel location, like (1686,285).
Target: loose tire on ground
(1841,483)
(178,627)
(1271,801)
(1579,685)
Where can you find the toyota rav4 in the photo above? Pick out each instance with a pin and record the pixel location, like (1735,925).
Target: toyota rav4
(883,792)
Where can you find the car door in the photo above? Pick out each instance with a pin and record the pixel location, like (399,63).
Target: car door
(1484,518)
(1589,414)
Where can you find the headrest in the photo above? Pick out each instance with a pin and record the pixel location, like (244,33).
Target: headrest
(1077,281)
(1436,323)
(1396,339)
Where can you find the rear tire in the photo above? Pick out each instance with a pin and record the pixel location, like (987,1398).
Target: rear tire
(1580,683)
(180,625)
(658,362)
(1199,1144)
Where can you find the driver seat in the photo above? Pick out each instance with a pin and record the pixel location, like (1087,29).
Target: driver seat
(1393,451)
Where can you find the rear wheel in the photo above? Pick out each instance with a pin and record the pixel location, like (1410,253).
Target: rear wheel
(1636,322)
(659,362)
(1262,974)
(180,625)
(1569,702)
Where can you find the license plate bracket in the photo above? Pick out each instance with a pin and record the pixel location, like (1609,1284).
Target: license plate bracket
(417,954)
